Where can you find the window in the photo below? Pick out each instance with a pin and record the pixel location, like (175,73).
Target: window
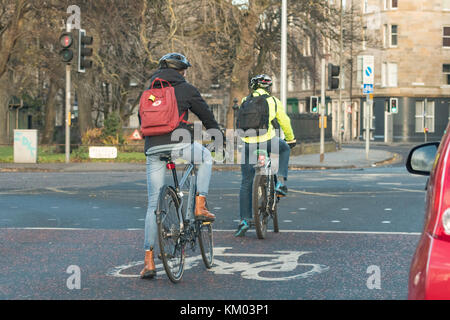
(364,32)
(307,47)
(389,74)
(446,4)
(394,35)
(385,36)
(306,81)
(291,81)
(424,116)
(446,37)
(392,75)
(446,72)
(390,4)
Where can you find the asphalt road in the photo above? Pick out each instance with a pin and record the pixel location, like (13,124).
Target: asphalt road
(345,234)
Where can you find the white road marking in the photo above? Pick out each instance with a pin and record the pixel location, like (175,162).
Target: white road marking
(345,209)
(385,222)
(60,191)
(387,209)
(287,220)
(335,221)
(228,230)
(265,270)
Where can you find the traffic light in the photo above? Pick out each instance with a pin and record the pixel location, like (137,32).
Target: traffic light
(314,104)
(66,41)
(393,105)
(333,76)
(84,51)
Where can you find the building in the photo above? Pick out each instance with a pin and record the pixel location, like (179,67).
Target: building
(413,67)
(410,43)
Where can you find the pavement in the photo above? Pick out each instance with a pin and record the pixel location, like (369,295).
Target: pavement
(346,158)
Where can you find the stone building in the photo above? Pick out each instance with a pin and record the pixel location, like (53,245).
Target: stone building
(410,43)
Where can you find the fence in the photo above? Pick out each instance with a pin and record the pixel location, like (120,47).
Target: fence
(306,127)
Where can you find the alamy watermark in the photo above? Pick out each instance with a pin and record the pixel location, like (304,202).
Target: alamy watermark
(374,280)
(74,281)
(227,147)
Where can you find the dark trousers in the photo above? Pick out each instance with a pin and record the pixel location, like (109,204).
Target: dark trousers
(248,173)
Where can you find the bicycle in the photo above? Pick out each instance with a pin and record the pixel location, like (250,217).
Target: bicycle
(177,226)
(264,197)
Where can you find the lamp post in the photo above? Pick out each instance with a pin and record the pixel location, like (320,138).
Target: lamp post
(235,108)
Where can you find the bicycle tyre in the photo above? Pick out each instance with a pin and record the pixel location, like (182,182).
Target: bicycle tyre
(274,212)
(171,244)
(205,240)
(276,228)
(259,205)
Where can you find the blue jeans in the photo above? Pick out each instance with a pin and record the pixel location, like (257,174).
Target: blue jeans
(156,170)
(248,173)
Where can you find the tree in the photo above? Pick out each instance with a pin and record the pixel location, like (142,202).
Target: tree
(13,15)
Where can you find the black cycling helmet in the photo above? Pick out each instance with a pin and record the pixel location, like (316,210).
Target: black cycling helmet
(175,61)
(261,81)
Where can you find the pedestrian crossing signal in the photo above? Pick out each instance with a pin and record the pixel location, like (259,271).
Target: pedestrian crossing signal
(314,104)
(393,105)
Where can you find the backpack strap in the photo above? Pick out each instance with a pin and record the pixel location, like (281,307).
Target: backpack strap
(182,120)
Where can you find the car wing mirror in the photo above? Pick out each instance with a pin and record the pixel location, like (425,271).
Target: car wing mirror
(421,158)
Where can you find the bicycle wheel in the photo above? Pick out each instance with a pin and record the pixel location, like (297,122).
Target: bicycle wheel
(205,239)
(171,244)
(259,204)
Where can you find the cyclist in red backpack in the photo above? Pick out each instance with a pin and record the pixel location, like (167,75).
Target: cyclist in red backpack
(172,68)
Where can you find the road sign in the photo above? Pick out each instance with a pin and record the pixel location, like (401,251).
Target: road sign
(368,88)
(368,70)
(136,135)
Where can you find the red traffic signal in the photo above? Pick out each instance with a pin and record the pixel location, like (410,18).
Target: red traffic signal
(66,41)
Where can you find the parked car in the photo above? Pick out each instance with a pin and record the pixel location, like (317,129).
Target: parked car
(429,276)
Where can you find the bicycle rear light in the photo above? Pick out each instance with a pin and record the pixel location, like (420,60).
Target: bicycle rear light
(170,166)
(261,159)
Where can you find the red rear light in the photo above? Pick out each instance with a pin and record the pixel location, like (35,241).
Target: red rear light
(170,166)
(261,159)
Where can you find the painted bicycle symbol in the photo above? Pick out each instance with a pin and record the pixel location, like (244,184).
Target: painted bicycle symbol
(278,266)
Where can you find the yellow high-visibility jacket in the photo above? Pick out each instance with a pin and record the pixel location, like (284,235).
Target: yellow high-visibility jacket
(276,110)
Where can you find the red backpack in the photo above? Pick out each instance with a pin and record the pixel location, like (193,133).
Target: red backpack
(158,110)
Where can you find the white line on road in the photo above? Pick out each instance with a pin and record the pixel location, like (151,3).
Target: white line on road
(224,230)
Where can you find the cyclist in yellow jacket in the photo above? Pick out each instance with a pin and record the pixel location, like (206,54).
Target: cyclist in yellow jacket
(261,85)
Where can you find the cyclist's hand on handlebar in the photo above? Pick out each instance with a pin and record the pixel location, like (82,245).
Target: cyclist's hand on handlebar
(291,143)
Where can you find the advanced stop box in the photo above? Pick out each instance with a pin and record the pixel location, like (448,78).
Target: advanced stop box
(25,146)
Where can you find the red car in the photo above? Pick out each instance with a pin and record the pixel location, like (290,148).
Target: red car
(429,276)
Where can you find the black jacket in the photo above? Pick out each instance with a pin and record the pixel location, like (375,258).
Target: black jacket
(188,98)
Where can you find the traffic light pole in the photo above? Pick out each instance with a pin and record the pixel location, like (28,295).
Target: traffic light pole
(368,117)
(322,113)
(341,78)
(68,84)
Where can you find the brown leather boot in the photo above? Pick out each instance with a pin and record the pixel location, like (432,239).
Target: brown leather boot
(201,212)
(149,270)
